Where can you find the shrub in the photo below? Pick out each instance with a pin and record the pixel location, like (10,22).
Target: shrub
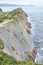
(13,48)
(1,44)
(0,9)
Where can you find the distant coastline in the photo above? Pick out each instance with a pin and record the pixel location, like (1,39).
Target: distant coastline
(4,5)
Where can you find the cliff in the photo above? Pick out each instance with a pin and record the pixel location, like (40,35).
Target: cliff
(15,35)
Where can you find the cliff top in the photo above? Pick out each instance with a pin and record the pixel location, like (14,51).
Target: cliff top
(12,15)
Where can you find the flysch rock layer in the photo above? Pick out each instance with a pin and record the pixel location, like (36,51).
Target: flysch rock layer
(15,33)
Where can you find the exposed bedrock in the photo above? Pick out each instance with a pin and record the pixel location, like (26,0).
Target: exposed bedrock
(15,34)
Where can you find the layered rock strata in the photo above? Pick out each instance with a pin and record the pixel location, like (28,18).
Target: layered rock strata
(15,34)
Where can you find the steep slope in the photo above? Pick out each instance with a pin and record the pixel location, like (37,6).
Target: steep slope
(15,34)
(5,59)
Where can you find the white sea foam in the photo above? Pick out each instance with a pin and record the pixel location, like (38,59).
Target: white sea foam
(41,21)
(39,57)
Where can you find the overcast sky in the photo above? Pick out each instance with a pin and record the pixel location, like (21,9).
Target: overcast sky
(23,2)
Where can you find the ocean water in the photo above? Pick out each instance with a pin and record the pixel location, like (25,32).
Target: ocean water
(35,15)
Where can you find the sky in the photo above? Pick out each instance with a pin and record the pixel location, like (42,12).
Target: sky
(23,2)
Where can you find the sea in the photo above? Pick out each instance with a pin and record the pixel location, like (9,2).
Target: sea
(35,16)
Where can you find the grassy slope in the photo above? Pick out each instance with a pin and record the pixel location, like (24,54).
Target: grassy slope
(5,59)
(10,15)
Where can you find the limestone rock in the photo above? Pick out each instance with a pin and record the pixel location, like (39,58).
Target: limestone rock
(15,33)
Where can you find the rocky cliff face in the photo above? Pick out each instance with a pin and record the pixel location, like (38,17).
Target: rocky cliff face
(15,34)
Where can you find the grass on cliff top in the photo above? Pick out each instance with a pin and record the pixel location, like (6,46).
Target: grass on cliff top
(11,15)
(5,59)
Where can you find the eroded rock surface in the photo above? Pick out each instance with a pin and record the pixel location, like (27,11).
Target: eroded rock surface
(15,33)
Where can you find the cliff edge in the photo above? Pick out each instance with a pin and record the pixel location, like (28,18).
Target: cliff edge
(15,35)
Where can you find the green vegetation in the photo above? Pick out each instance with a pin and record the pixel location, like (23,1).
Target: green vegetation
(5,59)
(1,44)
(11,15)
(8,30)
(13,48)
(0,10)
